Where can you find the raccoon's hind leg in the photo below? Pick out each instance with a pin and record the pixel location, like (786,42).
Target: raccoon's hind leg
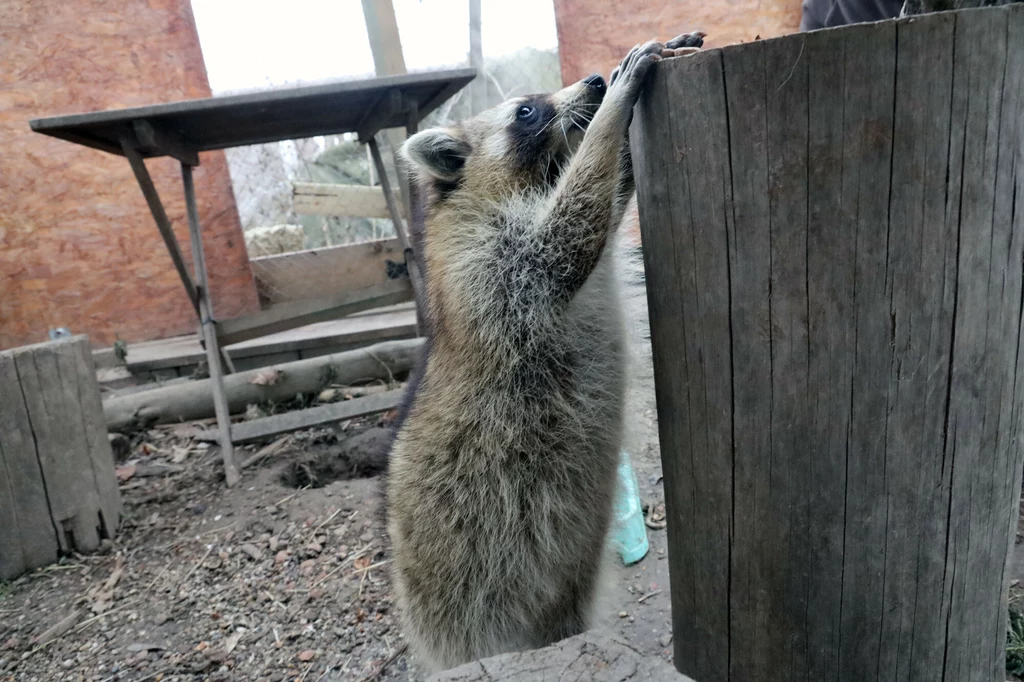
(570,616)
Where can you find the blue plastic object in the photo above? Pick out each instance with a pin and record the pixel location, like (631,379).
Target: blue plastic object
(629,531)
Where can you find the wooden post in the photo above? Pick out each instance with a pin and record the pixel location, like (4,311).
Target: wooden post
(388,60)
(419,292)
(206,323)
(833,227)
(58,492)
(478,88)
(382,30)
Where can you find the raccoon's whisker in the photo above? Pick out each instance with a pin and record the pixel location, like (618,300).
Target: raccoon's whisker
(586,116)
(577,124)
(546,126)
(564,135)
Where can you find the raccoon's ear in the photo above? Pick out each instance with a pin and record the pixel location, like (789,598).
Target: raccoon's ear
(438,152)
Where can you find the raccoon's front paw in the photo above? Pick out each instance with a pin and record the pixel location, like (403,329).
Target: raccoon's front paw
(688,43)
(628,76)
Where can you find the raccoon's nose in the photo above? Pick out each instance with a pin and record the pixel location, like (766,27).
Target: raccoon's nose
(594,81)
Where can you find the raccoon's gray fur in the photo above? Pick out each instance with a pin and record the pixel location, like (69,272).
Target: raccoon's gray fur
(912,7)
(503,470)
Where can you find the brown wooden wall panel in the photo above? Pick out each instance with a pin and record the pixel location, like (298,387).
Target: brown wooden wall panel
(319,273)
(593,35)
(78,247)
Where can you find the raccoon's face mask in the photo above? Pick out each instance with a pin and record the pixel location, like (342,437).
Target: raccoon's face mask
(524,136)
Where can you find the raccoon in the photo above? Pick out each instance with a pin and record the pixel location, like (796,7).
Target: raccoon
(913,7)
(503,468)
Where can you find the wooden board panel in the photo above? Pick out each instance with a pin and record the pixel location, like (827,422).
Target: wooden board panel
(86,254)
(831,261)
(37,372)
(980,447)
(30,539)
(265,427)
(58,491)
(64,403)
(304,275)
(858,420)
(923,246)
(359,201)
(285,316)
(95,438)
(184,351)
(693,287)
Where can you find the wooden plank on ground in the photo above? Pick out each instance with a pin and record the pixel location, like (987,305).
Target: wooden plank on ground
(380,324)
(291,315)
(304,275)
(258,429)
(358,201)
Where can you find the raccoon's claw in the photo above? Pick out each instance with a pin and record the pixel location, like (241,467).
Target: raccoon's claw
(695,39)
(642,56)
(631,71)
(679,52)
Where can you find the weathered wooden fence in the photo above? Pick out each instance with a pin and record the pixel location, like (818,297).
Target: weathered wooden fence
(833,227)
(58,492)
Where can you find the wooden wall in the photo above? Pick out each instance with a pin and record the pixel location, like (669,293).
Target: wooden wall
(78,247)
(593,35)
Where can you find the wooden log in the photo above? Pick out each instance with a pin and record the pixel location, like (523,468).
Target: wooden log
(833,234)
(58,491)
(192,400)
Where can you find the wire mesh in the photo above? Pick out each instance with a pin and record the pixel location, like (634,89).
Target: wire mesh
(310,199)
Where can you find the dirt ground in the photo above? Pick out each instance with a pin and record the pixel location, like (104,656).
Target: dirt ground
(281,578)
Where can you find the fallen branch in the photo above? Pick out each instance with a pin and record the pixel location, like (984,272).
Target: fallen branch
(375,675)
(194,399)
(272,449)
(58,630)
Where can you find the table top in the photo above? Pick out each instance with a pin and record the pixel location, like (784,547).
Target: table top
(360,106)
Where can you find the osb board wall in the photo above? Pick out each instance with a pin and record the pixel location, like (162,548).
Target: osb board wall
(593,35)
(78,247)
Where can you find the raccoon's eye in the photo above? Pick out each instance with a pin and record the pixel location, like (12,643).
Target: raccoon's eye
(525,113)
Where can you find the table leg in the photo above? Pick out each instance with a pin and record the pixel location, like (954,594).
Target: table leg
(402,232)
(213,352)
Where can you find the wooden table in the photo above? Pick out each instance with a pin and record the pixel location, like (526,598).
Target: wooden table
(183,129)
